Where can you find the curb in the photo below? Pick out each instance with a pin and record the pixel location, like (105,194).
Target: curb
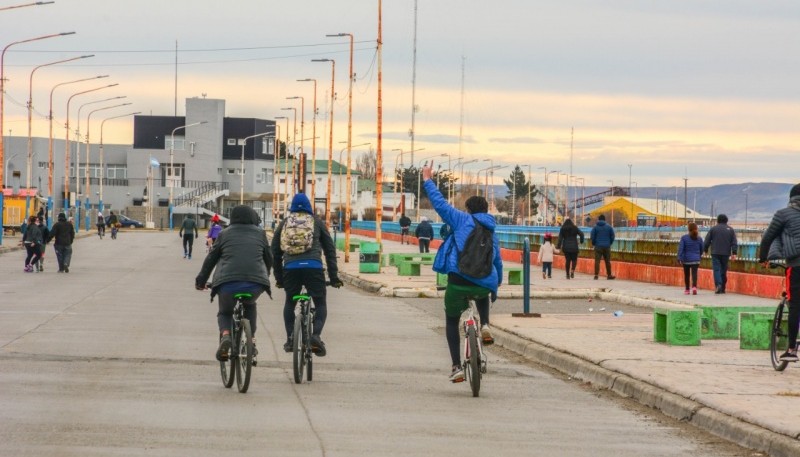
(675,406)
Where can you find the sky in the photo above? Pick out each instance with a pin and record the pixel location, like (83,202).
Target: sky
(617,91)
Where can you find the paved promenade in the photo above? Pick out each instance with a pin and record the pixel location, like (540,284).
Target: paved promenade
(733,393)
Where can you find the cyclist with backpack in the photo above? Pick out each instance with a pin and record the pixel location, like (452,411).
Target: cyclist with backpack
(297,247)
(470,257)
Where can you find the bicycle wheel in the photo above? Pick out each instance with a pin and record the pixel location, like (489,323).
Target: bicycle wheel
(473,364)
(244,356)
(226,369)
(298,349)
(309,360)
(776,335)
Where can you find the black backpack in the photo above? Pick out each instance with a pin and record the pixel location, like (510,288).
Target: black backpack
(478,255)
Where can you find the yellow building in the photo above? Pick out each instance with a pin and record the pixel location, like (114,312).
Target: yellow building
(632,212)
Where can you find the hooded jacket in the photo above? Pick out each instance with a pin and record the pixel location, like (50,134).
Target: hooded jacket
(63,232)
(602,235)
(690,250)
(784,229)
(568,238)
(424,230)
(462,223)
(322,243)
(721,240)
(241,252)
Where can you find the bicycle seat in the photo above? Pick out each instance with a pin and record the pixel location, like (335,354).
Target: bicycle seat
(301,297)
(242,295)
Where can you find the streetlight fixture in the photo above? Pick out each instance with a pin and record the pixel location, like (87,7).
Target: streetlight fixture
(330,141)
(30,122)
(294,141)
(313,143)
(301,164)
(171,171)
(103,123)
(419,179)
(349,144)
(241,169)
(285,163)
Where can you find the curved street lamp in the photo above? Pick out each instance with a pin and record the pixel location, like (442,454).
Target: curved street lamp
(171,172)
(100,201)
(330,140)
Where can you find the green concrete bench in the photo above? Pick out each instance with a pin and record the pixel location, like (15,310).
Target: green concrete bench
(755,330)
(676,327)
(426,258)
(722,322)
(441,280)
(410,267)
(514,276)
(340,244)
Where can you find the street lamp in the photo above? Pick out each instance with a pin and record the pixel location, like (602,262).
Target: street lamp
(294,140)
(547,195)
(349,144)
(30,122)
(5,176)
(285,163)
(419,179)
(88,193)
(100,197)
(241,169)
(330,140)
(171,171)
(301,163)
(313,143)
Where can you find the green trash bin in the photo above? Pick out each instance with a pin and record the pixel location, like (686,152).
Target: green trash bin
(369,257)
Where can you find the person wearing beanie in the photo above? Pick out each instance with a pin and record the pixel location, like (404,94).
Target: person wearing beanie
(63,233)
(241,261)
(721,241)
(602,236)
(785,228)
(424,234)
(299,243)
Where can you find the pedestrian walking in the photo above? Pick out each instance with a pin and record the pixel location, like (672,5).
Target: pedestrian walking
(570,237)
(721,241)
(101,225)
(545,257)
(188,232)
(785,228)
(405,225)
(602,236)
(690,250)
(32,240)
(424,234)
(63,234)
(43,247)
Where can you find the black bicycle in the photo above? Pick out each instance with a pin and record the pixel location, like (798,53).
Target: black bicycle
(778,334)
(301,337)
(240,359)
(473,358)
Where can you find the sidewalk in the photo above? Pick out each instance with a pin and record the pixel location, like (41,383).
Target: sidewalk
(730,392)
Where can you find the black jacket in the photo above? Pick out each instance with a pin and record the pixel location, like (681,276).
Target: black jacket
(33,235)
(405,221)
(322,244)
(424,230)
(241,253)
(721,240)
(63,232)
(568,238)
(785,228)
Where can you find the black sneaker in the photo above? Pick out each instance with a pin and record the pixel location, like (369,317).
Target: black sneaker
(595,276)
(612,277)
(788,357)
(224,350)
(287,346)
(317,346)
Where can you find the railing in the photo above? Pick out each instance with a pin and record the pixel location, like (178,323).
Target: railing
(195,196)
(142,182)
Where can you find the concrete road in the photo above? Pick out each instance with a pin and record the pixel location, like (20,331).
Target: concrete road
(116,359)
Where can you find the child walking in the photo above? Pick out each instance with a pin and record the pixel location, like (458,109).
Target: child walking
(690,250)
(546,251)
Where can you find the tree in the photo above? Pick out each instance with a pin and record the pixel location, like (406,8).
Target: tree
(366,164)
(521,192)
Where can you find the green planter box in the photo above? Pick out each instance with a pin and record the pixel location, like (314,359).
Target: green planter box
(369,258)
(676,327)
(755,331)
(722,322)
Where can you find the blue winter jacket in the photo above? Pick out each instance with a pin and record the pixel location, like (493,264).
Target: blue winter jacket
(602,235)
(462,223)
(689,250)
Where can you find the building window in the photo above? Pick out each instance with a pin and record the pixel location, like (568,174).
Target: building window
(270,175)
(241,171)
(180,143)
(231,141)
(44,165)
(116,171)
(260,177)
(231,171)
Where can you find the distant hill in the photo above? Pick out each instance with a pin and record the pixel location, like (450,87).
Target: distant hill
(763,199)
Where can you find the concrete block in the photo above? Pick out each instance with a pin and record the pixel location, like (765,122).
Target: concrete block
(514,276)
(676,327)
(409,268)
(755,331)
(722,322)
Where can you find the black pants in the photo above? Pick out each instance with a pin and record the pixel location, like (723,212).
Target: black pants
(314,281)
(225,313)
(452,330)
(424,245)
(188,241)
(690,270)
(605,254)
(63,255)
(793,289)
(33,253)
(570,261)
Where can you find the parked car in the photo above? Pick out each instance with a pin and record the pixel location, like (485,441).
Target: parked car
(125,221)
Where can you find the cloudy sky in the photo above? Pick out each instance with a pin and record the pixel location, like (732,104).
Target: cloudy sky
(707,89)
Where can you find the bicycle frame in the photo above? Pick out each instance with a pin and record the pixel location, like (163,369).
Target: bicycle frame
(301,334)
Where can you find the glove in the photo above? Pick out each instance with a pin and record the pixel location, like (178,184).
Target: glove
(336,282)
(199,286)
(494,297)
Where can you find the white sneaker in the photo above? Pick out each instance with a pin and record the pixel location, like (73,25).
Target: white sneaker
(457,375)
(486,335)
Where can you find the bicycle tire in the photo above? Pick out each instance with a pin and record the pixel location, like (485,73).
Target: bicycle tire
(244,356)
(307,338)
(227,369)
(775,335)
(298,350)
(474,362)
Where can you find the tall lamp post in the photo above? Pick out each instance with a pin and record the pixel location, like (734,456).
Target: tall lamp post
(171,171)
(313,145)
(349,145)
(285,164)
(301,162)
(2,104)
(88,193)
(330,141)
(241,169)
(102,157)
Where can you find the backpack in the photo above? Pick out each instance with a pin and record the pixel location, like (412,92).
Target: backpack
(298,233)
(478,255)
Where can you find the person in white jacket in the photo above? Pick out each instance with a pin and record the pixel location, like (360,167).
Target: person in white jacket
(546,251)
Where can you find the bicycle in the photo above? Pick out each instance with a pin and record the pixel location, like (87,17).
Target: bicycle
(778,335)
(474,359)
(301,337)
(240,359)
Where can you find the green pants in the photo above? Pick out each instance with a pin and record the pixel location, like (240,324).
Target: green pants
(456,298)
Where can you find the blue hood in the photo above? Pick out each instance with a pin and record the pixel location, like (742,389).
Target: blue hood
(486,220)
(301,204)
